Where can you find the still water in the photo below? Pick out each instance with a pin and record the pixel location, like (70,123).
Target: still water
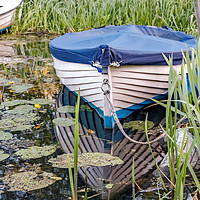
(26,73)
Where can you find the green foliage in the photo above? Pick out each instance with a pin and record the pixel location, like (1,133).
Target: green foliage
(41,101)
(61,16)
(86,159)
(36,152)
(21,88)
(27,181)
(138,125)
(66,109)
(64,121)
(5,135)
(188,109)
(3,156)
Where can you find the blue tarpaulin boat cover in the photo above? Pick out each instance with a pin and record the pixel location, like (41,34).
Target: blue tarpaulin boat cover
(127,45)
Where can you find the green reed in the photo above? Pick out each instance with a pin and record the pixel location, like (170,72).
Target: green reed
(61,16)
(188,108)
(74,179)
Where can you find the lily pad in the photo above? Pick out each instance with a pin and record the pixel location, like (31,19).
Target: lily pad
(85,107)
(41,101)
(5,135)
(13,103)
(20,88)
(3,156)
(27,181)
(36,152)
(1,107)
(109,186)
(66,109)
(21,110)
(17,122)
(64,121)
(86,159)
(6,82)
(138,125)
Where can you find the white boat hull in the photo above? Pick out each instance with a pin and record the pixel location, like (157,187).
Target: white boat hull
(129,85)
(7,13)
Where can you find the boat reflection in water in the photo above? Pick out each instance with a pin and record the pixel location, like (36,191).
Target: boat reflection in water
(110,141)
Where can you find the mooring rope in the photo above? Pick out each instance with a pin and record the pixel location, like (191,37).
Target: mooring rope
(106,93)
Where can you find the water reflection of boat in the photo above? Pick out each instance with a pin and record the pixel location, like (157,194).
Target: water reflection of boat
(109,141)
(128,59)
(7,13)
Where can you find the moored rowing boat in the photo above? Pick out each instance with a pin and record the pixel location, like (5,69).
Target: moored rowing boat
(126,60)
(7,13)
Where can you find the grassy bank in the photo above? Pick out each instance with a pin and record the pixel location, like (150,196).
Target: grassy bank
(61,16)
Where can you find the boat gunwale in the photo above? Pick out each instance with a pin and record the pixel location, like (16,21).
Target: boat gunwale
(11,9)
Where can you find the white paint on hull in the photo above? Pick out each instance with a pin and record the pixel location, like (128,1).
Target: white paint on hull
(130,84)
(134,84)
(7,12)
(85,77)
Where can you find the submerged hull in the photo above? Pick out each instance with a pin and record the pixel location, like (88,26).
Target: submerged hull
(7,14)
(112,142)
(131,87)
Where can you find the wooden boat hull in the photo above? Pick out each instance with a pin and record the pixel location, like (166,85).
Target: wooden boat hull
(112,142)
(131,87)
(7,13)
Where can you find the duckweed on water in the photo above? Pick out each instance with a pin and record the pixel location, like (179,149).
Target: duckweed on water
(5,135)
(36,152)
(27,181)
(3,156)
(138,125)
(86,159)
(64,121)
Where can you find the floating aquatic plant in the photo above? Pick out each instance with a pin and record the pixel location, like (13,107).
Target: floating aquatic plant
(36,152)
(21,110)
(5,135)
(13,102)
(66,109)
(85,107)
(86,159)
(109,186)
(18,122)
(71,109)
(6,82)
(3,156)
(21,88)
(27,181)
(138,125)
(41,101)
(64,121)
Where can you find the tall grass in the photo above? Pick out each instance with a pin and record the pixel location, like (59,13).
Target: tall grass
(183,101)
(61,16)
